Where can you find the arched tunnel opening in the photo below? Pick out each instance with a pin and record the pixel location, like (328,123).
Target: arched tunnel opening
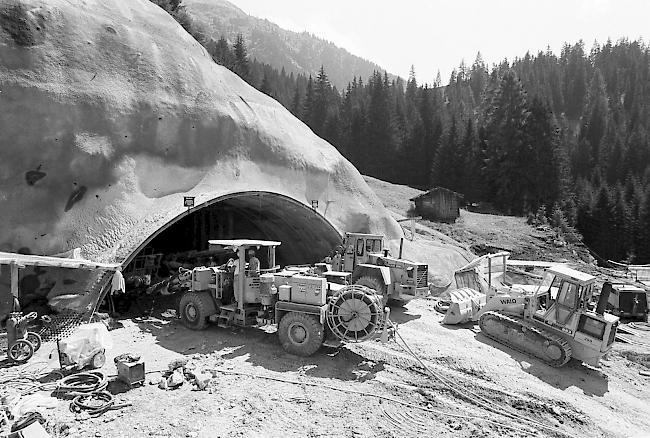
(306,236)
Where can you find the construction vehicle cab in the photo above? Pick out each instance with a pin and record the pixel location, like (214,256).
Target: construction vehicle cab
(372,266)
(358,247)
(629,301)
(305,307)
(563,303)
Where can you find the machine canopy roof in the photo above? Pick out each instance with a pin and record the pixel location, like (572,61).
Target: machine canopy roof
(567,272)
(22,260)
(244,242)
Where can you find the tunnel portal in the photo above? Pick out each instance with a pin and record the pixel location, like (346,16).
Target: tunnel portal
(306,236)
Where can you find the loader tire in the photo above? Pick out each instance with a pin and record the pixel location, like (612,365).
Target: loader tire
(194,311)
(373,283)
(300,334)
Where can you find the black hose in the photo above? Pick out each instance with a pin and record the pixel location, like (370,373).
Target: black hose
(82,383)
(89,392)
(26,420)
(442,306)
(95,403)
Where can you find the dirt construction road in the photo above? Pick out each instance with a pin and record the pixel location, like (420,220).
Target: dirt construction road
(478,388)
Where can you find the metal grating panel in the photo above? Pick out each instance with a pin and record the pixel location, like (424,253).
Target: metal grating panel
(423,280)
(61,326)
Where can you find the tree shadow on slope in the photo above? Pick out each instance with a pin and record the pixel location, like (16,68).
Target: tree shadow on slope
(591,381)
(259,347)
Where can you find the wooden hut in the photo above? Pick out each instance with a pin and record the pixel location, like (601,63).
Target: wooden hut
(438,204)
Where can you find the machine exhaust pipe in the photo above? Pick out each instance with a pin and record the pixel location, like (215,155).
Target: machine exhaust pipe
(401,247)
(604,298)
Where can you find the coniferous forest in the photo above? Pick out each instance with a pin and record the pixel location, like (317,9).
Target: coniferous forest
(561,136)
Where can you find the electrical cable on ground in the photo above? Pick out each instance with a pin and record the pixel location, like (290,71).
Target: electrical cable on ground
(475,398)
(369,394)
(645,326)
(28,381)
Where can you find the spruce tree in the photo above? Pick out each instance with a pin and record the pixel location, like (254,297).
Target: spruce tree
(504,143)
(240,62)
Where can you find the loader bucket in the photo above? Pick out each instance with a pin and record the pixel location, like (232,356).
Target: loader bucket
(464,305)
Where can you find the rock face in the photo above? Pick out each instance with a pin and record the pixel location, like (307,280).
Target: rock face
(110,112)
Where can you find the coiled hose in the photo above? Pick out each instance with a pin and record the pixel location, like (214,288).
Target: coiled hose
(82,383)
(89,392)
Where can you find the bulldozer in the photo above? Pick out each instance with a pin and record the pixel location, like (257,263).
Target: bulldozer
(555,323)
(307,309)
(371,265)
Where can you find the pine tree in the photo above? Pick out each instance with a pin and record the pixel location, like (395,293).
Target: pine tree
(643,246)
(504,141)
(308,104)
(296,105)
(596,112)
(265,86)
(603,223)
(240,62)
(538,159)
(321,103)
(478,77)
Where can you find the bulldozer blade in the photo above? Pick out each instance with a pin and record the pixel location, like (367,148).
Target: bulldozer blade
(464,305)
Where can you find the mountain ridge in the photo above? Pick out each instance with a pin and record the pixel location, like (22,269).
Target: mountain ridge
(298,52)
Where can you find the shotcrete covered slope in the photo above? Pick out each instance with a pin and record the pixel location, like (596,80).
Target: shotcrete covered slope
(110,112)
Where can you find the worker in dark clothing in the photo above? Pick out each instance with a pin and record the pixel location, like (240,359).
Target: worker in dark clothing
(336,261)
(253,263)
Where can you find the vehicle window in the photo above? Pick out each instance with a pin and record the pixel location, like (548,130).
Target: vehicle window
(377,245)
(359,247)
(548,280)
(568,295)
(369,245)
(556,282)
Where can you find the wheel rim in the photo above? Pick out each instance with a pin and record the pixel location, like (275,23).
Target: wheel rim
(554,352)
(190,312)
(298,333)
(20,351)
(356,314)
(34,339)
(99,360)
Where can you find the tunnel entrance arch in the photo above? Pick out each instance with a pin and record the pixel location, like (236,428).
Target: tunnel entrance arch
(306,236)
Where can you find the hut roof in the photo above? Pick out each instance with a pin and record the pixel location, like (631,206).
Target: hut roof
(435,190)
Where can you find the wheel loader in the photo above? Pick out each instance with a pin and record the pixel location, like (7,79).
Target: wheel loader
(555,323)
(307,309)
(371,265)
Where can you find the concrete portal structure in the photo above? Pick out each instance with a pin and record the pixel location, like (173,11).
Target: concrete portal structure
(110,114)
(306,235)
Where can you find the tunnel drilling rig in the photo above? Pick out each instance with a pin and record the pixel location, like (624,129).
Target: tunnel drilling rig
(307,310)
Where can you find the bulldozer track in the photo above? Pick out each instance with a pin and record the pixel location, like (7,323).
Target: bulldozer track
(507,321)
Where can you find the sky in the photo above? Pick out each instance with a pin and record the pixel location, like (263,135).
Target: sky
(436,35)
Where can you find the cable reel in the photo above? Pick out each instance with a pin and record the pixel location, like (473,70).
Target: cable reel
(355,313)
